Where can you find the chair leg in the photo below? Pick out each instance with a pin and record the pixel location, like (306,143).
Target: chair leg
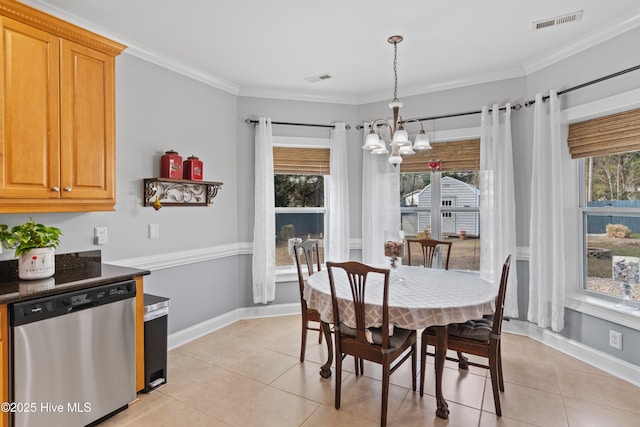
(423,364)
(303,345)
(338,378)
(462,362)
(320,335)
(493,369)
(386,372)
(414,363)
(500,376)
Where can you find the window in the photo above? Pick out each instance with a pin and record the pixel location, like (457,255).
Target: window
(450,194)
(300,189)
(609,152)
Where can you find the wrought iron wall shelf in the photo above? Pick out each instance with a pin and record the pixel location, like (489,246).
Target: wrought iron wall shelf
(159,192)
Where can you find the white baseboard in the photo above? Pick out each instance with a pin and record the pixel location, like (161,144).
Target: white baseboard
(191,333)
(608,363)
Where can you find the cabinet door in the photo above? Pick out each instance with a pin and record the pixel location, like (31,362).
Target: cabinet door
(29,110)
(87,141)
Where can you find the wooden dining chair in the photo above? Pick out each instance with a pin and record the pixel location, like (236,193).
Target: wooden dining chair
(376,345)
(430,249)
(308,248)
(478,337)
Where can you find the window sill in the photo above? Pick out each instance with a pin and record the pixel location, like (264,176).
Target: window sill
(602,308)
(286,274)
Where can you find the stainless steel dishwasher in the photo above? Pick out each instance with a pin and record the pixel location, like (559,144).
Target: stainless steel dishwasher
(73,356)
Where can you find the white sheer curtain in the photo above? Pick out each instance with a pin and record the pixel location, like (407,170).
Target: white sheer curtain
(264,229)
(380,203)
(338,200)
(497,202)
(547,264)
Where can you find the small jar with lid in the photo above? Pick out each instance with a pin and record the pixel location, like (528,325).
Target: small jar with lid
(192,168)
(171,165)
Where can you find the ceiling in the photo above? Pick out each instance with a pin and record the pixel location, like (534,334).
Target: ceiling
(268,48)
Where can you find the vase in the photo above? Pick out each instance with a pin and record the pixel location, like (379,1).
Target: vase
(38,263)
(394,249)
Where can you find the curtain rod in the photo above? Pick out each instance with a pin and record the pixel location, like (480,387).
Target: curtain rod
(580,86)
(249,122)
(516,107)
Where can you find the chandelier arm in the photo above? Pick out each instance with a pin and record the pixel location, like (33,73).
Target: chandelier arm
(403,122)
(384,123)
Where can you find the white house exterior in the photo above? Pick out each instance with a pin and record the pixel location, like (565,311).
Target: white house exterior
(455,193)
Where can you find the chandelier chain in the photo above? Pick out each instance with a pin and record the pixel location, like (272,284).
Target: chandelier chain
(395,72)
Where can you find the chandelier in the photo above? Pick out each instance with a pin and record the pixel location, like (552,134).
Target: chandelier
(400,144)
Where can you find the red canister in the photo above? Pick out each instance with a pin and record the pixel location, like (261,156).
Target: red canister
(192,168)
(171,165)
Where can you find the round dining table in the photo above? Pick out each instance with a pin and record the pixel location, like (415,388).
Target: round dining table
(418,298)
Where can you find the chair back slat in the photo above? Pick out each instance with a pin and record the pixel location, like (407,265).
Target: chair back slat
(308,247)
(502,292)
(357,274)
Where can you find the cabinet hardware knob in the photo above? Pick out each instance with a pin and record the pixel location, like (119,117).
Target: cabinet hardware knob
(56,189)
(67,189)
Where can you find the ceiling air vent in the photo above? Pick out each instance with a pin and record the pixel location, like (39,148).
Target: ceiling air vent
(319,77)
(563,19)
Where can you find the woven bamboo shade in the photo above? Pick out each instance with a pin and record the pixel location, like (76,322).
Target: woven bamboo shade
(616,133)
(454,156)
(301,161)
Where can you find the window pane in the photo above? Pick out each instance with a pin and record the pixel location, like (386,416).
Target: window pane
(609,236)
(296,191)
(459,190)
(297,225)
(612,180)
(459,216)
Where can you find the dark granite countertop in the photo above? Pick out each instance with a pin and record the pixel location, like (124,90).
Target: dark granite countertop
(75,271)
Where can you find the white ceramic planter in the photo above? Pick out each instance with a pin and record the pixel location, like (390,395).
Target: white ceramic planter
(37,264)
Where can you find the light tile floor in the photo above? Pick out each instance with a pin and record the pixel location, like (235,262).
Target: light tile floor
(248,374)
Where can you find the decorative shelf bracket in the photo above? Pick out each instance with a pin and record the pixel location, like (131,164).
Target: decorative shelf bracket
(159,192)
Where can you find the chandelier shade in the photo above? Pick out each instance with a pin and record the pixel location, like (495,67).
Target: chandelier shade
(400,144)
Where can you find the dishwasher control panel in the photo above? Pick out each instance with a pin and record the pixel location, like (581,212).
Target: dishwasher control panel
(56,305)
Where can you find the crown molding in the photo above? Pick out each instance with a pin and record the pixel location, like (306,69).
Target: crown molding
(182,68)
(585,43)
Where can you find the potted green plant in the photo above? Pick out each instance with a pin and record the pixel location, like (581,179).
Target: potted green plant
(34,246)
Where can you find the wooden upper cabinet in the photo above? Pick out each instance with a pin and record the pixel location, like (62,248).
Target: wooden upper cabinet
(57,114)
(87,123)
(30,133)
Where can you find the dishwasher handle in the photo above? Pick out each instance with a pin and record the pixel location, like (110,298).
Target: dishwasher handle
(84,306)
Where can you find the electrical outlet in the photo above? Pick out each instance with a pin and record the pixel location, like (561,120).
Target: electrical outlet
(100,235)
(615,339)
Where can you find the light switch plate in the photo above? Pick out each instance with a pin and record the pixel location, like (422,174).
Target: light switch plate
(154,231)
(100,235)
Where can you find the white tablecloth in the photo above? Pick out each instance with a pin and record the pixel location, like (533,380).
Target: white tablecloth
(426,297)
